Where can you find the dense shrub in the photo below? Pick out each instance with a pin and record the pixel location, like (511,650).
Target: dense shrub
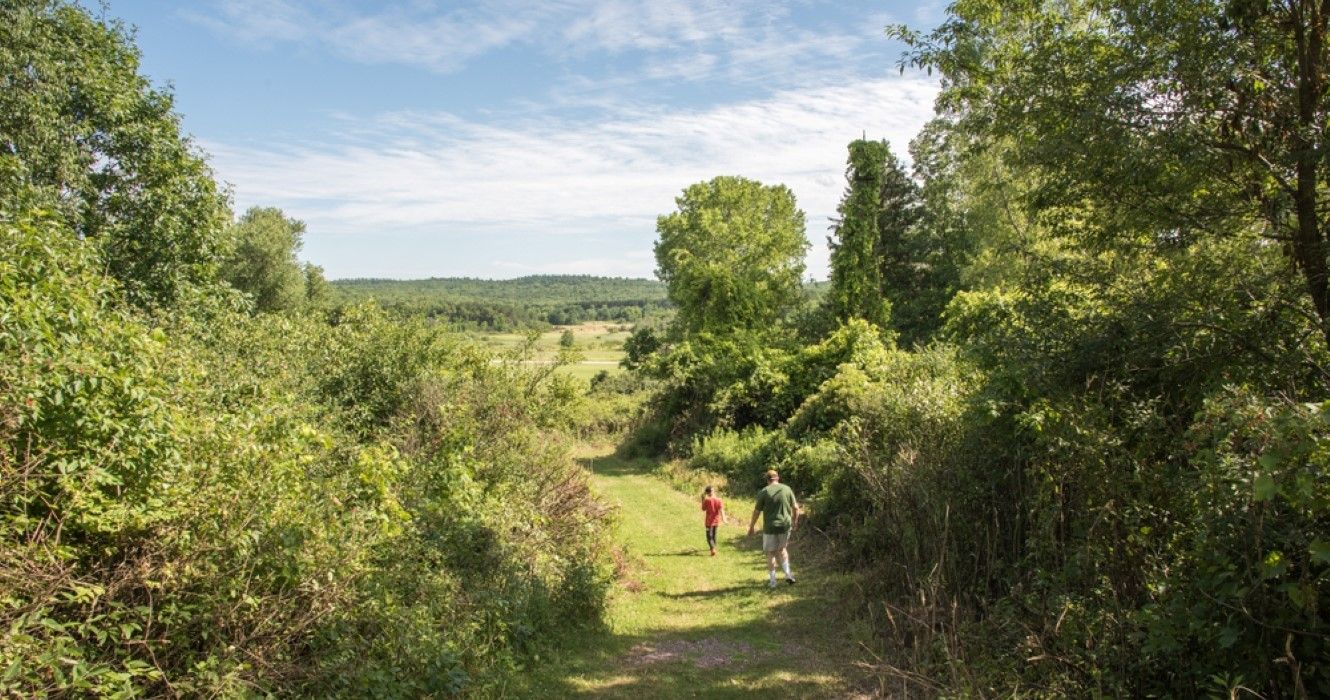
(741,456)
(1247,568)
(207,502)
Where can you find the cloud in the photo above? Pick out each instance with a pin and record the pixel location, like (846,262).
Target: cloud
(444,175)
(256,21)
(443,43)
(675,39)
(655,24)
(400,34)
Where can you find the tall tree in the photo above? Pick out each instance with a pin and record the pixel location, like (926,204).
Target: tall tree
(78,121)
(732,256)
(899,253)
(317,289)
(1171,119)
(856,247)
(876,261)
(264,263)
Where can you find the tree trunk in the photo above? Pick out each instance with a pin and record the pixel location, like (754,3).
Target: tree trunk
(1309,242)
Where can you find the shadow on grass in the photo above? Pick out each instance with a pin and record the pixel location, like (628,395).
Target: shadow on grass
(728,591)
(613,465)
(681,553)
(769,657)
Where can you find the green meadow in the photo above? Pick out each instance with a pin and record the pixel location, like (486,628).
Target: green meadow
(597,347)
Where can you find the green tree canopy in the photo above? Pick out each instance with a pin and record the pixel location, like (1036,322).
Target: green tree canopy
(732,256)
(79,122)
(264,263)
(1156,121)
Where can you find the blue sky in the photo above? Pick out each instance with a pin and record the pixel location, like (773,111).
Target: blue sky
(500,139)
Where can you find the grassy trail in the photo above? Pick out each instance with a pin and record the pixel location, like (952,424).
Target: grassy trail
(684,624)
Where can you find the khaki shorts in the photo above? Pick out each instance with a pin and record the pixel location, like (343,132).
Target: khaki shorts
(775,543)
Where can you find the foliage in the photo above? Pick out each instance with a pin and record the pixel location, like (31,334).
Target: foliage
(317,290)
(503,305)
(1177,120)
(78,122)
(644,340)
(263,263)
(1252,569)
(857,289)
(206,503)
(731,256)
(709,380)
(742,457)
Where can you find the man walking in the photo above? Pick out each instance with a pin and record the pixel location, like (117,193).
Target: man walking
(780,511)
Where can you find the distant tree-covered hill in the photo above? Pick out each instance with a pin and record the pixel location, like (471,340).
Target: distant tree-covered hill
(524,302)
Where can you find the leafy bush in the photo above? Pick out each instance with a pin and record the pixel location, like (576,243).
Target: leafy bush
(1247,557)
(741,456)
(207,502)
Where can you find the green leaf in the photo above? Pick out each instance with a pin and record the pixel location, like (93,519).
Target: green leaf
(1320,551)
(1265,487)
(1275,565)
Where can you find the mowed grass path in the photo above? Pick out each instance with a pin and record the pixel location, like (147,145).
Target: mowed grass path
(683,624)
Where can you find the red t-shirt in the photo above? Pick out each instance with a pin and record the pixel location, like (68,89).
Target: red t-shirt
(712,506)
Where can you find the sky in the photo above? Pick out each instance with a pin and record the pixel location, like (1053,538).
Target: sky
(500,139)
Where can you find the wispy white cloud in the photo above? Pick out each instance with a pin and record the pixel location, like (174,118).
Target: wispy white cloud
(674,39)
(439,173)
(442,43)
(401,34)
(655,24)
(255,20)
(930,11)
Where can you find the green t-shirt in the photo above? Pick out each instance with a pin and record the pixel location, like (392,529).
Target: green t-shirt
(776,502)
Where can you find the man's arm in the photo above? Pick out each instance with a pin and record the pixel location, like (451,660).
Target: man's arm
(757,509)
(794,515)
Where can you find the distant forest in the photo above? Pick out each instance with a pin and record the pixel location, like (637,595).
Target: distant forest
(525,302)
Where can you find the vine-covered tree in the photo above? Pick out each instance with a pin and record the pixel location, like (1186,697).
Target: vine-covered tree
(877,262)
(856,266)
(317,289)
(900,253)
(732,256)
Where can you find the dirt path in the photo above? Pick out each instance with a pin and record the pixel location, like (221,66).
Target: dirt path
(684,624)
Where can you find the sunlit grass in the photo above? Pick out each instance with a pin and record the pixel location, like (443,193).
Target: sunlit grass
(600,346)
(685,624)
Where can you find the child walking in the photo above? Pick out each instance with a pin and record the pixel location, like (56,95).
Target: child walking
(715,512)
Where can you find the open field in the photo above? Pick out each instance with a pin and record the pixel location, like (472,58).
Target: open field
(599,345)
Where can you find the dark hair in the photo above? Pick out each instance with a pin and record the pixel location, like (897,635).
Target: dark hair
(706,490)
